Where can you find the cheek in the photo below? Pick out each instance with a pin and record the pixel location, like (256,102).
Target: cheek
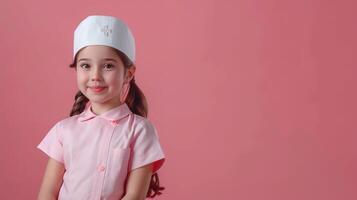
(113,80)
(81,79)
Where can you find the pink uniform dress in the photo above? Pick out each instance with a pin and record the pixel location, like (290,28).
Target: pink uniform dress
(98,151)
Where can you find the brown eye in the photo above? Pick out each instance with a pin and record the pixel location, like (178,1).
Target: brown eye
(108,66)
(84,66)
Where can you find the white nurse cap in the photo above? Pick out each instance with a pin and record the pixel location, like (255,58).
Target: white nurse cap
(104,30)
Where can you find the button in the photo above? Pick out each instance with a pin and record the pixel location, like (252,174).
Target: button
(114,122)
(101,168)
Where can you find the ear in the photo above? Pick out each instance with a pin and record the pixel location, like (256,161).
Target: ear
(130,73)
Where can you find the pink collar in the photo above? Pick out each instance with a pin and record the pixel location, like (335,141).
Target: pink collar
(113,115)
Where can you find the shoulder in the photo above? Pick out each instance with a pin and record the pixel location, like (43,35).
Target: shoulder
(67,122)
(143,125)
(141,122)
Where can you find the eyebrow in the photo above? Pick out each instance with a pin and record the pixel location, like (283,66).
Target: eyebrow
(106,59)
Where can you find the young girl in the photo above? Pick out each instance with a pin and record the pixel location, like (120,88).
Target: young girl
(107,148)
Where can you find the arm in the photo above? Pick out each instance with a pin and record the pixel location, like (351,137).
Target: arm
(138,183)
(52,180)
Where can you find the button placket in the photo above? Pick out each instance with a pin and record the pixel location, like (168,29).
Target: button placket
(102,168)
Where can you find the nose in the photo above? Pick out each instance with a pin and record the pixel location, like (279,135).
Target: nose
(96,74)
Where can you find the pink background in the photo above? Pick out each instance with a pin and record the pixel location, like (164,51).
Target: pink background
(252,99)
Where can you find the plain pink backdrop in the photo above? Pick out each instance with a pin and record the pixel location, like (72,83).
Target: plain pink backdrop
(252,99)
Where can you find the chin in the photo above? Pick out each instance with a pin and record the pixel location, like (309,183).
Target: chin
(97,100)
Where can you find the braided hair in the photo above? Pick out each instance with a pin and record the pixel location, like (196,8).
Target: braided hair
(137,103)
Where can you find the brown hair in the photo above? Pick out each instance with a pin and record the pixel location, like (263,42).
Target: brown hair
(137,103)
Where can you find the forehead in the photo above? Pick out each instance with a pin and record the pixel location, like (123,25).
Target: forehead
(97,52)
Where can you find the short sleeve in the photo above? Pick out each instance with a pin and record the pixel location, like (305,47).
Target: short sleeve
(146,147)
(52,144)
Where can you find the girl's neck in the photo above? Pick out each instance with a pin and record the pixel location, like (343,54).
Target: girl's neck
(102,108)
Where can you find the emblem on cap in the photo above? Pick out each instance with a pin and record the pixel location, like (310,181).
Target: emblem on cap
(106,30)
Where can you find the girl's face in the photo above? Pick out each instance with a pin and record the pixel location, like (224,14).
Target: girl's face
(100,76)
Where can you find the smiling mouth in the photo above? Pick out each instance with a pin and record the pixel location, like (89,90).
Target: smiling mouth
(97,89)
